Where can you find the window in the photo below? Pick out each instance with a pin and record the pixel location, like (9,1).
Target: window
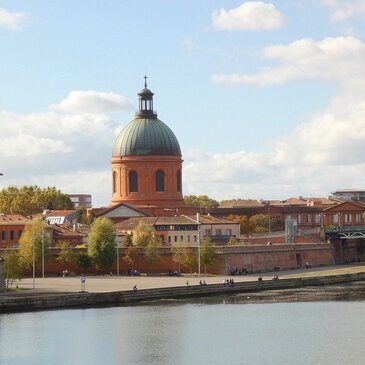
(160,180)
(308,218)
(188,238)
(318,219)
(181,238)
(207,232)
(178,181)
(3,235)
(133,182)
(335,218)
(348,218)
(19,234)
(299,219)
(358,217)
(12,235)
(175,239)
(195,239)
(228,232)
(169,239)
(114,182)
(218,232)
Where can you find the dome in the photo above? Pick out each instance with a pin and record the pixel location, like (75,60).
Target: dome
(146,136)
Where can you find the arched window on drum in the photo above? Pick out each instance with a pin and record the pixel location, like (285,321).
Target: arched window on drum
(114,182)
(133,182)
(178,181)
(160,180)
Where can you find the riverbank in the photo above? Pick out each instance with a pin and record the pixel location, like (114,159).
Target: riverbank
(174,288)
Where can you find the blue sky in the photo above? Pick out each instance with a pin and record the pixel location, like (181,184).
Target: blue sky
(265,98)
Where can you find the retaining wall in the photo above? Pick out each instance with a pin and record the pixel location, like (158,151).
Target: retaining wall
(83,300)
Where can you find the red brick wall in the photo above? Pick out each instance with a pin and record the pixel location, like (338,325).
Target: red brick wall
(253,258)
(146,168)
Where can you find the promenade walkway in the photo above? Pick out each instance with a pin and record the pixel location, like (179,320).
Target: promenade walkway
(113,283)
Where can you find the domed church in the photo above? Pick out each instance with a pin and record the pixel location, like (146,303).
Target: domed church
(147,161)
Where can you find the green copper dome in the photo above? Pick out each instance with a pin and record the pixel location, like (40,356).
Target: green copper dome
(146,136)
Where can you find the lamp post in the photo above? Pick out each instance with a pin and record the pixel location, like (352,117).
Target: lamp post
(198,220)
(33,254)
(117,244)
(42,250)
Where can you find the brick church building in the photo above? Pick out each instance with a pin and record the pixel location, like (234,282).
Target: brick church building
(147,162)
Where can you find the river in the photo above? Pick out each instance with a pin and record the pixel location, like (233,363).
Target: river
(286,327)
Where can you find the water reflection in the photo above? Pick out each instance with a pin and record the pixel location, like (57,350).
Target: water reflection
(198,331)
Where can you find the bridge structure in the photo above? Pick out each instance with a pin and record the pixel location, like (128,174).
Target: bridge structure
(344,232)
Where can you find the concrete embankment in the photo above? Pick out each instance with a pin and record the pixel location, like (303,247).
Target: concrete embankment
(43,301)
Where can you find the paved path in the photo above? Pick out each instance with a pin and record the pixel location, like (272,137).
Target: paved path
(114,283)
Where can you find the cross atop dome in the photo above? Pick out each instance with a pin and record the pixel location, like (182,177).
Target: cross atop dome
(145,109)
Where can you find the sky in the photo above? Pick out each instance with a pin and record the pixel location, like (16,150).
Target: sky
(267,99)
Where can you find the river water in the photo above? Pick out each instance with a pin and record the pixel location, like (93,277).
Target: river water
(267,328)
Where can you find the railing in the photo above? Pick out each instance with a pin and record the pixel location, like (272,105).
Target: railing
(338,229)
(309,236)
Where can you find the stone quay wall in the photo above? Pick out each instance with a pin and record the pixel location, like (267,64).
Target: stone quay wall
(45,301)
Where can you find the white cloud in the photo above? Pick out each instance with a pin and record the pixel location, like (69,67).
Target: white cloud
(320,155)
(91,102)
(334,59)
(11,20)
(251,15)
(342,10)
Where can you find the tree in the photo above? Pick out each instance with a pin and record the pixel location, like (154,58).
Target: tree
(246,226)
(83,261)
(142,235)
(202,201)
(66,254)
(179,251)
(232,241)
(145,237)
(152,251)
(207,253)
(190,259)
(32,199)
(12,267)
(131,255)
(101,243)
(33,235)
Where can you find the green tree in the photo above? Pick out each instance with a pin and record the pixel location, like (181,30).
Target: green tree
(32,199)
(33,235)
(101,243)
(232,241)
(202,201)
(145,237)
(179,251)
(207,253)
(13,267)
(83,261)
(131,255)
(260,222)
(66,254)
(246,226)
(190,259)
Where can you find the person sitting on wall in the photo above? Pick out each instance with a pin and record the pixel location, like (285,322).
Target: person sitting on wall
(135,288)
(275,278)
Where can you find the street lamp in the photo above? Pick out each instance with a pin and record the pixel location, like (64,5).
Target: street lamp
(198,220)
(33,254)
(117,244)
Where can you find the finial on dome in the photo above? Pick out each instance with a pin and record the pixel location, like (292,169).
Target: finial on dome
(145,81)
